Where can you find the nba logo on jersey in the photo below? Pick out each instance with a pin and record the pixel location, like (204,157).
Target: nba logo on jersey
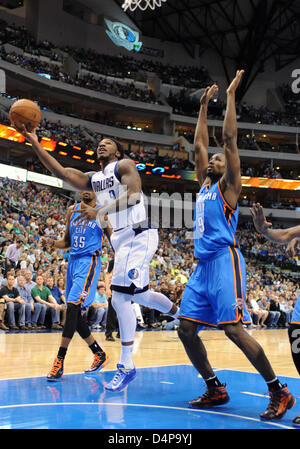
(238,304)
(84,295)
(133,273)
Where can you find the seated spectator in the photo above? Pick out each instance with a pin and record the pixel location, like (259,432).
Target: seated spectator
(14,303)
(260,315)
(273,316)
(97,313)
(60,299)
(42,294)
(286,308)
(275,305)
(2,314)
(32,309)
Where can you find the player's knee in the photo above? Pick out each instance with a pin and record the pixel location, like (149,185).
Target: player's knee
(71,320)
(233,331)
(186,331)
(83,327)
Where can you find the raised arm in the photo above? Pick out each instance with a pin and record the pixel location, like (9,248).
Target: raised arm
(201,139)
(74,177)
(281,236)
(231,184)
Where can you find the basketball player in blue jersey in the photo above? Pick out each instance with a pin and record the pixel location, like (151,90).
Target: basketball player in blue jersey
(290,236)
(117,187)
(84,265)
(215,293)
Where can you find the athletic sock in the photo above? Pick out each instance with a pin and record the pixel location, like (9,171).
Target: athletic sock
(61,353)
(212,382)
(126,356)
(95,348)
(274,384)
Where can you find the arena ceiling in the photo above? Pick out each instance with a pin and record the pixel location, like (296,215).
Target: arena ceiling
(249,32)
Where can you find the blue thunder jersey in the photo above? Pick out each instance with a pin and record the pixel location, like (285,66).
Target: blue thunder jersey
(85,239)
(215,223)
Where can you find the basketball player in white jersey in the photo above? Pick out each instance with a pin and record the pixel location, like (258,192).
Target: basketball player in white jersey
(118,190)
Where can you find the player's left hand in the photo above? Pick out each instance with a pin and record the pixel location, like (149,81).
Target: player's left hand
(85,214)
(260,222)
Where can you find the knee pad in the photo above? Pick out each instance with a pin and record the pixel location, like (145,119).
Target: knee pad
(72,315)
(82,326)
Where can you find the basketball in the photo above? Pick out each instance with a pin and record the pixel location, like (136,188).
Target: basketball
(25,112)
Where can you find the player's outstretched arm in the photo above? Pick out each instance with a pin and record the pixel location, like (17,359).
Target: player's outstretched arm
(282,236)
(201,139)
(76,178)
(231,181)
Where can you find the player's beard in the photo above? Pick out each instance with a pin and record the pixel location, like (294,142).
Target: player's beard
(214,177)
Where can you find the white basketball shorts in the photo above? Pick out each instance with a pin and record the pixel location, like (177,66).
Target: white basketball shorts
(134,249)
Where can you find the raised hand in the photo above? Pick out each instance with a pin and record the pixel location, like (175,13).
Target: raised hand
(208,94)
(235,82)
(31,137)
(293,247)
(259,219)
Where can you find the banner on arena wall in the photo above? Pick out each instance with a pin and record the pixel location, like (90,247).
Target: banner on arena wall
(39,178)
(257,182)
(15,173)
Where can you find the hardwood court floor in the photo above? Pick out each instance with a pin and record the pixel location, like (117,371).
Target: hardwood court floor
(30,354)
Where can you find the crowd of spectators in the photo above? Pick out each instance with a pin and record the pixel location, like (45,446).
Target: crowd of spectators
(32,293)
(128,91)
(188,77)
(183,103)
(116,66)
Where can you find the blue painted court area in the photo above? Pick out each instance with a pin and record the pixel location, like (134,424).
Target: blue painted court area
(156,399)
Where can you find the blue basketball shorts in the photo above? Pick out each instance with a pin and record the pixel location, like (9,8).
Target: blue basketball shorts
(296,312)
(82,276)
(215,293)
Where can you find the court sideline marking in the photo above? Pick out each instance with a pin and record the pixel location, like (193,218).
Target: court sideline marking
(231,415)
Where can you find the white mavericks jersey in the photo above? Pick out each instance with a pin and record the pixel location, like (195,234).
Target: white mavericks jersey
(107,188)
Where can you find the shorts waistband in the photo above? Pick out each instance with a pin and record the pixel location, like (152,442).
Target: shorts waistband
(142,226)
(218,254)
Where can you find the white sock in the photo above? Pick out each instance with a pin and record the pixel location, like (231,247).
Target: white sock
(126,356)
(127,325)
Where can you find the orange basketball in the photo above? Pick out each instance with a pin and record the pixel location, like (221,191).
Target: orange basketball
(25,112)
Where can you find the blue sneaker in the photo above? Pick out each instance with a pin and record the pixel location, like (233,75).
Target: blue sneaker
(121,379)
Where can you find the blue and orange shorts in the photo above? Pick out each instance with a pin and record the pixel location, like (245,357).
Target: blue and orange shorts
(215,293)
(82,275)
